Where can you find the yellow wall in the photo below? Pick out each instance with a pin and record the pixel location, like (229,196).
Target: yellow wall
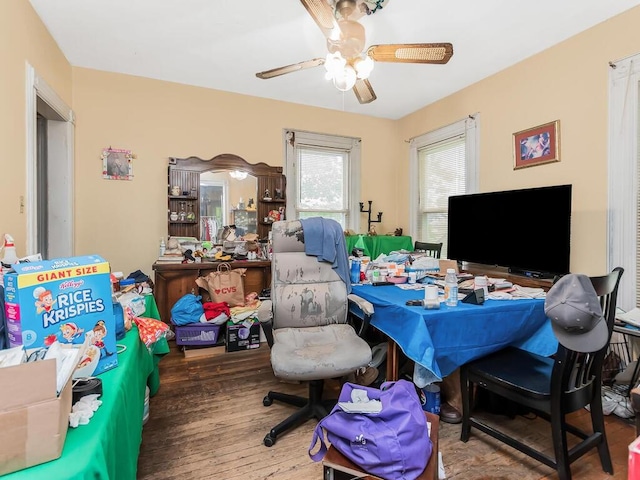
(568,82)
(23,38)
(124,220)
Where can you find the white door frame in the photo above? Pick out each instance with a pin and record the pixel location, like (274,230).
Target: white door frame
(61,173)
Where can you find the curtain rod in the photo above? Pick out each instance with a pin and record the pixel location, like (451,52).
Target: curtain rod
(472,117)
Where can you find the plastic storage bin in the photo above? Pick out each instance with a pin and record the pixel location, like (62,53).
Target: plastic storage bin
(197,334)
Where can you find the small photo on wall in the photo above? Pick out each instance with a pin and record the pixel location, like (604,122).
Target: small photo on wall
(117,164)
(537,145)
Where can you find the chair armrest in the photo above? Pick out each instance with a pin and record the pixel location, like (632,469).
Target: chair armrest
(265,311)
(265,317)
(365,306)
(367,309)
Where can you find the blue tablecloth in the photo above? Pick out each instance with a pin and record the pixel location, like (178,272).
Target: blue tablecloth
(443,340)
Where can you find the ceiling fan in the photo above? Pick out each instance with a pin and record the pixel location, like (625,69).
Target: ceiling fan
(348,64)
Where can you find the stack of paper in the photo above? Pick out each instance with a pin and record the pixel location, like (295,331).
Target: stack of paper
(632,317)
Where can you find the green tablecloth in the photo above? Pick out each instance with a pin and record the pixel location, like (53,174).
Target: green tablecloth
(106,448)
(160,348)
(373,246)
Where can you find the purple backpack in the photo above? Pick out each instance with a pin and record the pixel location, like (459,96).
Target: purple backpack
(392,444)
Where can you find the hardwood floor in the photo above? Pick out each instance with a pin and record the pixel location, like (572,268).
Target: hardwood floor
(207,422)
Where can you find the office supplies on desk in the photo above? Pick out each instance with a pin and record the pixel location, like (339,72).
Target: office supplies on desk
(632,317)
(415,303)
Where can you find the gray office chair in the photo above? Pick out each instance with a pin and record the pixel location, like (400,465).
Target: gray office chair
(305,321)
(433,249)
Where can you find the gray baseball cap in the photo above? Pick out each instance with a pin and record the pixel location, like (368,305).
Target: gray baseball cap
(576,315)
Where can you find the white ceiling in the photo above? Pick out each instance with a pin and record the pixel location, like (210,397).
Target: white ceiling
(221,44)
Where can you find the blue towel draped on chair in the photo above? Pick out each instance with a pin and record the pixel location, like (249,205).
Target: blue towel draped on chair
(324,238)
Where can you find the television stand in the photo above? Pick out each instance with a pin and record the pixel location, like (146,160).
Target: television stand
(495,271)
(531,274)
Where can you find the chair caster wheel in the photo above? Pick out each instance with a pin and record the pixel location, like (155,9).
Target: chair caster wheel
(266,401)
(269,441)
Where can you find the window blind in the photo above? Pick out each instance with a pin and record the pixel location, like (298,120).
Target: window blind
(442,173)
(321,176)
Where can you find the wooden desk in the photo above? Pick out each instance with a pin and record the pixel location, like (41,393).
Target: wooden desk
(337,467)
(174,280)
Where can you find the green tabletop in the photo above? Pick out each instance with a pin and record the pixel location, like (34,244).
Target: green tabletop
(374,245)
(106,448)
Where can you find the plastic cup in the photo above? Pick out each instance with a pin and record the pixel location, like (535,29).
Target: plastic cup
(430,398)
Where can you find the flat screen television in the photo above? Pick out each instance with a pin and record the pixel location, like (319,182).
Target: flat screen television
(528,231)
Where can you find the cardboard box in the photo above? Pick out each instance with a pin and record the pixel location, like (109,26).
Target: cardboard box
(243,336)
(67,300)
(33,419)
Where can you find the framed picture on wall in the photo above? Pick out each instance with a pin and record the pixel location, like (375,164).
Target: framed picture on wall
(537,145)
(117,164)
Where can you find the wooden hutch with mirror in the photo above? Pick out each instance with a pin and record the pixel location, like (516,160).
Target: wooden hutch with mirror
(192,201)
(188,205)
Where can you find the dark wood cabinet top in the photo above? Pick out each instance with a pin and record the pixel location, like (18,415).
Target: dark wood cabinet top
(206,265)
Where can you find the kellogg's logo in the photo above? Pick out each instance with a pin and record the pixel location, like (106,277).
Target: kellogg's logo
(71,284)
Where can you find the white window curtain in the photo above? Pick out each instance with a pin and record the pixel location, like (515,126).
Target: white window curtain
(322,176)
(442,163)
(622,234)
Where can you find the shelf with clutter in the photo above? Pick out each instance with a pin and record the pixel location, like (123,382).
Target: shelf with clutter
(188,182)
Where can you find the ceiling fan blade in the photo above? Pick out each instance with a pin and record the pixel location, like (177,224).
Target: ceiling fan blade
(364,91)
(322,13)
(412,52)
(276,72)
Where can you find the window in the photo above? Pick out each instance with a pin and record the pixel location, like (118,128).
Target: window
(212,207)
(623,223)
(322,178)
(443,163)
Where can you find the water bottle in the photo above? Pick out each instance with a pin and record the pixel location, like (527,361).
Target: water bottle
(10,256)
(163,246)
(355,271)
(451,288)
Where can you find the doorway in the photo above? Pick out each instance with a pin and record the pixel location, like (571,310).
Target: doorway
(50,182)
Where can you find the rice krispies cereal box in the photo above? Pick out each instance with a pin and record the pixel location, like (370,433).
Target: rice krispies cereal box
(66,299)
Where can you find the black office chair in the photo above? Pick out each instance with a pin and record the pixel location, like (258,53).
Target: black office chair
(433,249)
(552,387)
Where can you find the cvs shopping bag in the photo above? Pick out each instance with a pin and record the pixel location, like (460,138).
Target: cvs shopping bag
(393,443)
(225,285)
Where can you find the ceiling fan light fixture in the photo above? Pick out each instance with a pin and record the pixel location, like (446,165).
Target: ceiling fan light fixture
(364,67)
(334,63)
(345,79)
